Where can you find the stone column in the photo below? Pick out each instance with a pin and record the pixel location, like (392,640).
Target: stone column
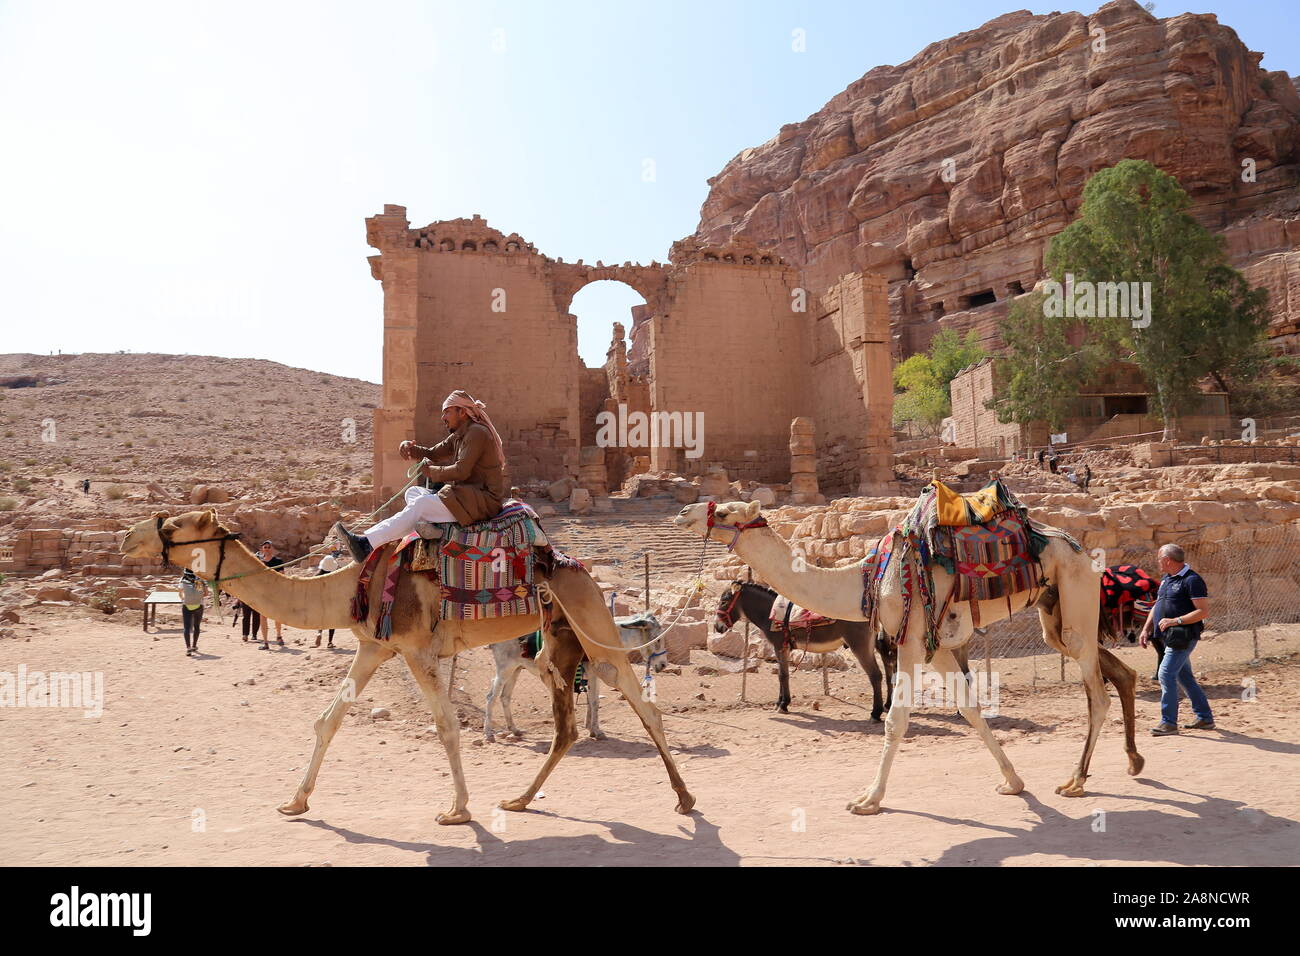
(803,463)
(591,470)
(397,267)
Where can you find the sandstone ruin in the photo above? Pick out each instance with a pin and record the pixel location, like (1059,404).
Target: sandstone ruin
(735,336)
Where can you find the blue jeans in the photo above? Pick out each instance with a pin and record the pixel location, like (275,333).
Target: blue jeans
(1175,669)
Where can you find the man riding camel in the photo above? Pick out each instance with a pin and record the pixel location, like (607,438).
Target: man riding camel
(474,483)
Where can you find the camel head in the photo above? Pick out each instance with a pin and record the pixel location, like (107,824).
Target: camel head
(143,540)
(725,516)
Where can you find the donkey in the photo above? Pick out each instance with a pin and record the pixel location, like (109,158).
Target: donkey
(754,603)
(511,657)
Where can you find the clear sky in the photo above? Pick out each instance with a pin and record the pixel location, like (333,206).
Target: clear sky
(194,176)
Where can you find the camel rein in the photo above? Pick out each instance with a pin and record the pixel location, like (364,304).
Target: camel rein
(412,475)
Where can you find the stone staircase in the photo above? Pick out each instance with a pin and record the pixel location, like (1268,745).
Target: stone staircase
(621,539)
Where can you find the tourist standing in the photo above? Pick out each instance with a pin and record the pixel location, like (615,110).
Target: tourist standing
(1086,472)
(193,592)
(1179,613)
(268,557)
(331,562)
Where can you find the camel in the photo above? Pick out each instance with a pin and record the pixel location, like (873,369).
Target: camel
(581,625)
(1069,625)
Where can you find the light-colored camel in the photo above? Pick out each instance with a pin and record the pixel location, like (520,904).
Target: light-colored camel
(1069,626)
(196,539)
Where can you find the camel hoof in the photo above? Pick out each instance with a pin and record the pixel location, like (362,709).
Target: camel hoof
(489,738)
(875,719)
(1011,789)
(517,734)
(291,808)
(516,805)
(864,809)
(685,803)
(1072,789)
(1135,764)
(598,735)
(448,819)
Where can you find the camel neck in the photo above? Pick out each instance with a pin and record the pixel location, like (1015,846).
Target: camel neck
(311,602)
(831,592)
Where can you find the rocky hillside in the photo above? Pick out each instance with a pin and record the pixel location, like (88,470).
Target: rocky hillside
(250,429)
(950,172)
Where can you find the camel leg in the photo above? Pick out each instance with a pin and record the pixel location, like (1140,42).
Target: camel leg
(556,667)
(956,674)
(1080,643)
(653,723)
(425,670)
(1125,680)
(368,658)
(900,712)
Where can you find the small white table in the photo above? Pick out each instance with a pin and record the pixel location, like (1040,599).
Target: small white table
(154,599)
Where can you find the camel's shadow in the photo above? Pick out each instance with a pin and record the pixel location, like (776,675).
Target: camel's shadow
(1202,839)
(630,846)
(920,724)
(614,747)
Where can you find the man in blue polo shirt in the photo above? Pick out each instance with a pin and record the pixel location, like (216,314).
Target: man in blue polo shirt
(1181,606)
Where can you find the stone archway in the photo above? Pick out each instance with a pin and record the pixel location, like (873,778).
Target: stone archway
(731,337)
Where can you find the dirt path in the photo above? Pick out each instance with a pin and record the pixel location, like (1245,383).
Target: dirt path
(184,740)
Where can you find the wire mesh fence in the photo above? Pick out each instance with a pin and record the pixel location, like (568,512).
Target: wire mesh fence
(1253,579)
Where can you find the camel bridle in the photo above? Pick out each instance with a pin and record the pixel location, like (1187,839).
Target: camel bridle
(168,544)
(735,529)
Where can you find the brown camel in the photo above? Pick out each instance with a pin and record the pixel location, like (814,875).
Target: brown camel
(1069,626)
(581,624)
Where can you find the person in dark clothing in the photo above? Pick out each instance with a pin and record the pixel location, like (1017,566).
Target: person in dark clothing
(1052,461)
(1086,473)
(1042,453)
(1181,607)
(85,486)
(252,620)
(268,557)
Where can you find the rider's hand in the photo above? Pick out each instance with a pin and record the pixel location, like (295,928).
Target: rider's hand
(405,449)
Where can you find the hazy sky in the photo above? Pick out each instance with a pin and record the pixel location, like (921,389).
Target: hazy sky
(193,177)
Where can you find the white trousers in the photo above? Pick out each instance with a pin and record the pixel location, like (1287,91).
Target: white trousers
(421,505)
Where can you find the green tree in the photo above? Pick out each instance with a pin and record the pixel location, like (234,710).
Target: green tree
(1197,317)
(921,382)
(1041,373)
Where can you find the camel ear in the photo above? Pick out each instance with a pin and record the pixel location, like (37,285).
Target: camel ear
(751,510)
(210,516)
(159,514)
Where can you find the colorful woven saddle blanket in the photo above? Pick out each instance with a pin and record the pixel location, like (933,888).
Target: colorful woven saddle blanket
(489,569)
(484,570)
(784,612)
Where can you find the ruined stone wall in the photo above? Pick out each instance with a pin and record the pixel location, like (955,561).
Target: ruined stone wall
(725,340)
(851,384)
(521,360)
(974,425)
(732,349)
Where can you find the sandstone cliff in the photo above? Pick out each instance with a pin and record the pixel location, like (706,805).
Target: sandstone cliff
(949,173)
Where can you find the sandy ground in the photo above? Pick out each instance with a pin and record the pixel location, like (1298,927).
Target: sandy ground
(189,760)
